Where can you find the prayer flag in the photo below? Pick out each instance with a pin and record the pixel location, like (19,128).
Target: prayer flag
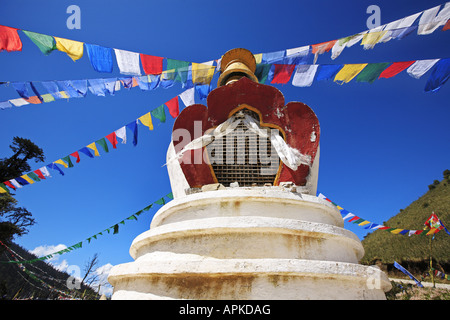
(447,26)
(439,76)
(370,39)
(103,144)
(371,72)
(146,120)
(122,134)
(304,75)
(399,267)
(3,188)
(134,129)
(76,155)
(282,73)
(33,176)
(74,49)
(202,72)
(262,71)
(172,69)
(188,97)
(86,151)
(9,39)
(44,42)
(39,174)
(203,90)
(420,67)
(395,68)
(69,162)
(128,62)
(173,107)
(433,222)
(60,161)
(112,139)
(272,57)
(5,105)
(22,181)
(431,19)
(348,72)
(9,184)
(15,183)
(152,64)
(44,171)
(328,71)
(297,55)
(100,57)
(258,58)
(159,113)
(55,167)
(321,48)
(93,147)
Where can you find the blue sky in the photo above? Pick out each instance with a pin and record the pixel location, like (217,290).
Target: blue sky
(382,144)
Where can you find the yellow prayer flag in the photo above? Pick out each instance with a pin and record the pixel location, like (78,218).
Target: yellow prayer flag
(146,120)
(202,72)
(74,49)
(363,223)
(396,231)
(62,162)
(432,231)
(372,38)
(3,190)
(348,72)
(258,58)
(27,178)
(64,94)
(339,207)
(93,147)
(47,97)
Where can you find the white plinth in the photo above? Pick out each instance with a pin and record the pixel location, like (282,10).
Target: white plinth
(247,243)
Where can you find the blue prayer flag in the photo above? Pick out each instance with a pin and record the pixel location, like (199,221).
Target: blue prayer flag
(438,76)
(100,57)
(134,129)
(328,71)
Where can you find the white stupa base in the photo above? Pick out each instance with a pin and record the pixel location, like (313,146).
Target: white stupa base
(247,243)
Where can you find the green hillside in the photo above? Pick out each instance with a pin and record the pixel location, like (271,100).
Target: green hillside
(413,251)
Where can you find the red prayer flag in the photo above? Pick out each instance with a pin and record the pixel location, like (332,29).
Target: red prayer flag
(173,107)
(152,64)
(113,139)
(9,184)
(282,73)
(323,47)
(76,155)
(395,68)
(447,26)
(39,174)
(9,39)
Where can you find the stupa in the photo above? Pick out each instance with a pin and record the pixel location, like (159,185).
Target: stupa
(245,222)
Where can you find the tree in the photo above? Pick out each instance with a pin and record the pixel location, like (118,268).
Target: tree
(15,221)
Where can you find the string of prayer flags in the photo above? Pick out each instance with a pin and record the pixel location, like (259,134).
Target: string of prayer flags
(433,223)
(91,150)
(9,39)
(114,228)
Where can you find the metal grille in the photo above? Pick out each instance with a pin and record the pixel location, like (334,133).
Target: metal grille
(243,156)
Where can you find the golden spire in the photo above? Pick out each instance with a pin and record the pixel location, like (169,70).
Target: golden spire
(235,64)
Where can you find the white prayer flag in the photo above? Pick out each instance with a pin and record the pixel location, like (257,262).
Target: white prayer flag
(304,75)
(128,62)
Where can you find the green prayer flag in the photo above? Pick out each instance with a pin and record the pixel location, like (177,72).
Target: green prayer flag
(102,142)
(44,42)
(176,65)
(160,201)
(68,161)
(133,217)
(34,176)
(116,229)
(371,72)
(159,113)
(148,207)
(170,196)
(262,71)
(2,185)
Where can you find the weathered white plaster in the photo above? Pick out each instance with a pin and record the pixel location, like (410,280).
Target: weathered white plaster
(247,243)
